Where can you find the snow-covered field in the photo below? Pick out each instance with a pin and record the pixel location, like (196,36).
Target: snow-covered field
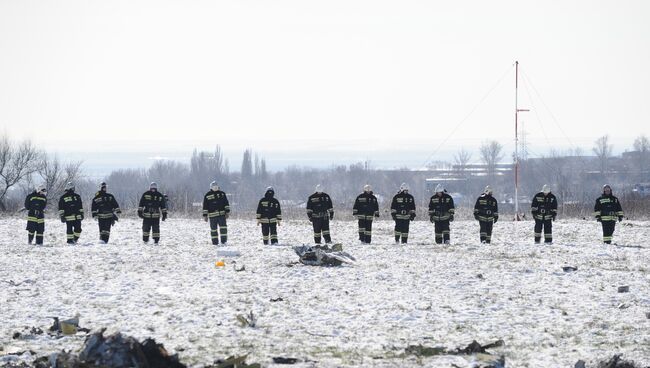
(361,315)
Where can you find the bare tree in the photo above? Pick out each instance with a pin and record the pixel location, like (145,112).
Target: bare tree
(461,159)
(16,163)
(491,155)
(603,151)
(642,148)
(55,175)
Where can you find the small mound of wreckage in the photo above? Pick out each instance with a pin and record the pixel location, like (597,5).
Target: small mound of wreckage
(323,255)
(118,351)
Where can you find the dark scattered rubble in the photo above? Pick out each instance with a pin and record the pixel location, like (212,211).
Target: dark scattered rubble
(487,360)
(615,361)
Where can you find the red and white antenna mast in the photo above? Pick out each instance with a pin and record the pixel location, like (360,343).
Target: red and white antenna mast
(517,111)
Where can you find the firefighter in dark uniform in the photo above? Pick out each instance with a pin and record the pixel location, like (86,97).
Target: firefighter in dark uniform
(441,213)
(153,206)
(320,211)
(35,203)
(105,210)
(216,210)
(402,209)
(544,210)
(71,212)
(365,209)
(607,211)
(269,215)
(486,211)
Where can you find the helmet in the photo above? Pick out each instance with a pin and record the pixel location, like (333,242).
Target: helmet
(488,189)
(367,188)
(269,192)
(214,186)
(546,189)
(270,189)
(439,188)
(102,186)
(41,188)
(319,188)
(153,185)
(404,187)
(69,186)
(606,186)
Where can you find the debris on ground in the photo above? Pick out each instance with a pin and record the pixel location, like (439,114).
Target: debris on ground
(247,321)
(27,333)
(614,362)
(278,299)
(484,359)
(623,289)
(323,255)
(282,360)
(569,268)
(233,362)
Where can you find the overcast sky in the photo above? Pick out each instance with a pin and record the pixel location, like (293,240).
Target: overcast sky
(288,75)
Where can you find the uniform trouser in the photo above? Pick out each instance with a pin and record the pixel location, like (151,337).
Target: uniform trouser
(105,228)
(218,228)
(486,231)
(35,229)
(73,230)
(547,225)
(151,225)
(442,231)
(270,231)
(608,231)
(402,230)
(321,226)
(365,230)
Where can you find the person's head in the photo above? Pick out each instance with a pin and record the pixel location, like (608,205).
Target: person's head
(404,188)
(367,188)
(488,190)
(440,190)
(607,190)
(40,189)
(319,189)
(102,187)
(69,187)
(546,189)
(269,192)
(214,186)
(153,186)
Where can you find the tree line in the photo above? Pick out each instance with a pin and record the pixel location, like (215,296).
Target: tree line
(574,176)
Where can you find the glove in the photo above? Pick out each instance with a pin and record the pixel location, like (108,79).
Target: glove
(598,218)
(279,223)
(140,214)
(451,218)
(258,222)
(496,218)
(115,219)
(227,214)
(95,218)
(82,216)
(164,216)
(620,218)
(476,216)
(412,217)
(205,218)
(332,215)
(62,219)
(394,216)
(376,214)
(553,217)
(431,218)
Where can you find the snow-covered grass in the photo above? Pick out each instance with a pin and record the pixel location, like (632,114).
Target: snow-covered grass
(361,315)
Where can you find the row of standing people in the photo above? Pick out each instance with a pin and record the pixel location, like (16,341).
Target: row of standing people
(216,210)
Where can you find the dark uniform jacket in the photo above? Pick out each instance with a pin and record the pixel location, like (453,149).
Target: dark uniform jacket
(486,208)
(35,205)
(366,206)
(441,208)
(70,206)
(104,206)
(215,203)
(544,206)
(403,206)
(152,204)
(319,205)
(608,208)
(268,209)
